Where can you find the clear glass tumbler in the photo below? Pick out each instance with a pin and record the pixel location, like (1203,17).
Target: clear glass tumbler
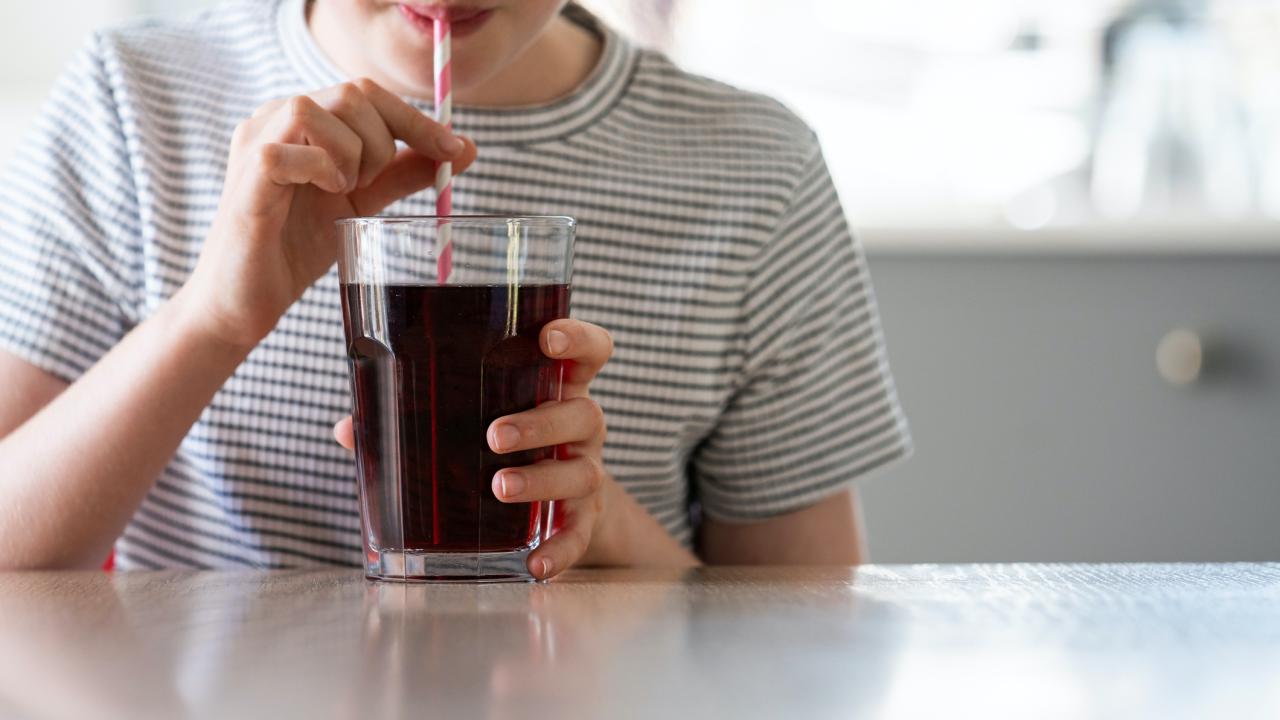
(442,316)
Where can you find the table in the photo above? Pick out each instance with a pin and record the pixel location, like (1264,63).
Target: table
(1028,641)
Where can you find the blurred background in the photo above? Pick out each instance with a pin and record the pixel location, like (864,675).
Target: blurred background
(1072,212)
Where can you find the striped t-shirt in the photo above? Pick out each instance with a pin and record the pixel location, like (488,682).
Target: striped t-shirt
(749,378)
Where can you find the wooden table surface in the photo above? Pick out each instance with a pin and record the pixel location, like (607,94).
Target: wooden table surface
(1026,641)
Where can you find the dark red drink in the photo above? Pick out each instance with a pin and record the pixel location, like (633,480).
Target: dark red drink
(432,366)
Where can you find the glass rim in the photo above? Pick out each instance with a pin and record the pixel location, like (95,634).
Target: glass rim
(544,220)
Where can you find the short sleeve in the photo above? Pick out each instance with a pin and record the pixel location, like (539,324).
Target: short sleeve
(68,219)
(816,408)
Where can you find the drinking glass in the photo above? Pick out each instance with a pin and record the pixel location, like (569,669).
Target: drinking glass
(442,316)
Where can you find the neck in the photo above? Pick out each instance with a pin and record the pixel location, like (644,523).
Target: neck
(553,66)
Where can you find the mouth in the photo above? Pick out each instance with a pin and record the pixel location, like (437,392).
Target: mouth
(463,20)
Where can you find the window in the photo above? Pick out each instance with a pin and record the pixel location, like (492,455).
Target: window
(1010,113)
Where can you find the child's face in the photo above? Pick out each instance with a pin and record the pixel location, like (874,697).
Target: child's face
(396,38)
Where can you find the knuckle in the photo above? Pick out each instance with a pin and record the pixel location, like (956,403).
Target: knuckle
(332,165)
(355,151)
(343,100)
(421,124)
(240,135)
(365,85)
(592,409)
(267,108)
(349,96)
(380,153)
(299,116)
(301,106)
(596,474)
(578,542)
(270,155)
(544,428)
(572,546)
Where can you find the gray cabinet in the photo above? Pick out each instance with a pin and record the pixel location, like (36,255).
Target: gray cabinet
(1044,432)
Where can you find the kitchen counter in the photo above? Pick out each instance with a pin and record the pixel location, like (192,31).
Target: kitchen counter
(1163,238)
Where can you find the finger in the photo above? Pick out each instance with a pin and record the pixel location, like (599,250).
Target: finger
(587,346)
(549,480)
(566,547)
(344,433)
(248,133)
(553,423)
(302,121)
(347,103)
(408,124)
(408,173)
(285,164)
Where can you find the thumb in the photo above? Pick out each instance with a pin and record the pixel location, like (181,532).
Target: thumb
(409,172)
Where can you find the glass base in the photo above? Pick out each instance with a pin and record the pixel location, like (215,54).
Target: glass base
(454,567)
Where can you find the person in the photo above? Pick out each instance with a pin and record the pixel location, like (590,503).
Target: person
(170,325)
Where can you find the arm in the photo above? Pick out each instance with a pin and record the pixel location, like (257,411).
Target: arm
(75,471)
(815,407)
(630,536)
(26,390)
(827,533)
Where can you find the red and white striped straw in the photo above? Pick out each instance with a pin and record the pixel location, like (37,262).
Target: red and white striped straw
(444,173)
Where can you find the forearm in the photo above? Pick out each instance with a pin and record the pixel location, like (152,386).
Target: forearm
(77,471)
(630,536)
(829,532)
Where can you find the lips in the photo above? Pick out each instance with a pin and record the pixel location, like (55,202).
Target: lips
(463,20)
(452,13)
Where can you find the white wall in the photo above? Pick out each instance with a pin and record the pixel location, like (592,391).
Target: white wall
(38,38)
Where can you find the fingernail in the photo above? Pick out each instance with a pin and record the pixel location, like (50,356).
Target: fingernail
(505,436)
(452,144)
(557,342)
(513,483)
(545,568)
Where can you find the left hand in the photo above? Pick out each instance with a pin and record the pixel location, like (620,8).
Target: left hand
(575,478)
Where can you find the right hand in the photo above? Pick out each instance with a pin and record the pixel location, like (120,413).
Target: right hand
(296,166)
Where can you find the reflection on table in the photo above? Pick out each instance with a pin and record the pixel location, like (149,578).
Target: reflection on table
(1017,640)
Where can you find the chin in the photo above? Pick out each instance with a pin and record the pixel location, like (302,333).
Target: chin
(414,87)
(410,64)
(410,69)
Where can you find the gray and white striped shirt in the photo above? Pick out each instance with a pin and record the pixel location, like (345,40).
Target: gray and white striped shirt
(750,375)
